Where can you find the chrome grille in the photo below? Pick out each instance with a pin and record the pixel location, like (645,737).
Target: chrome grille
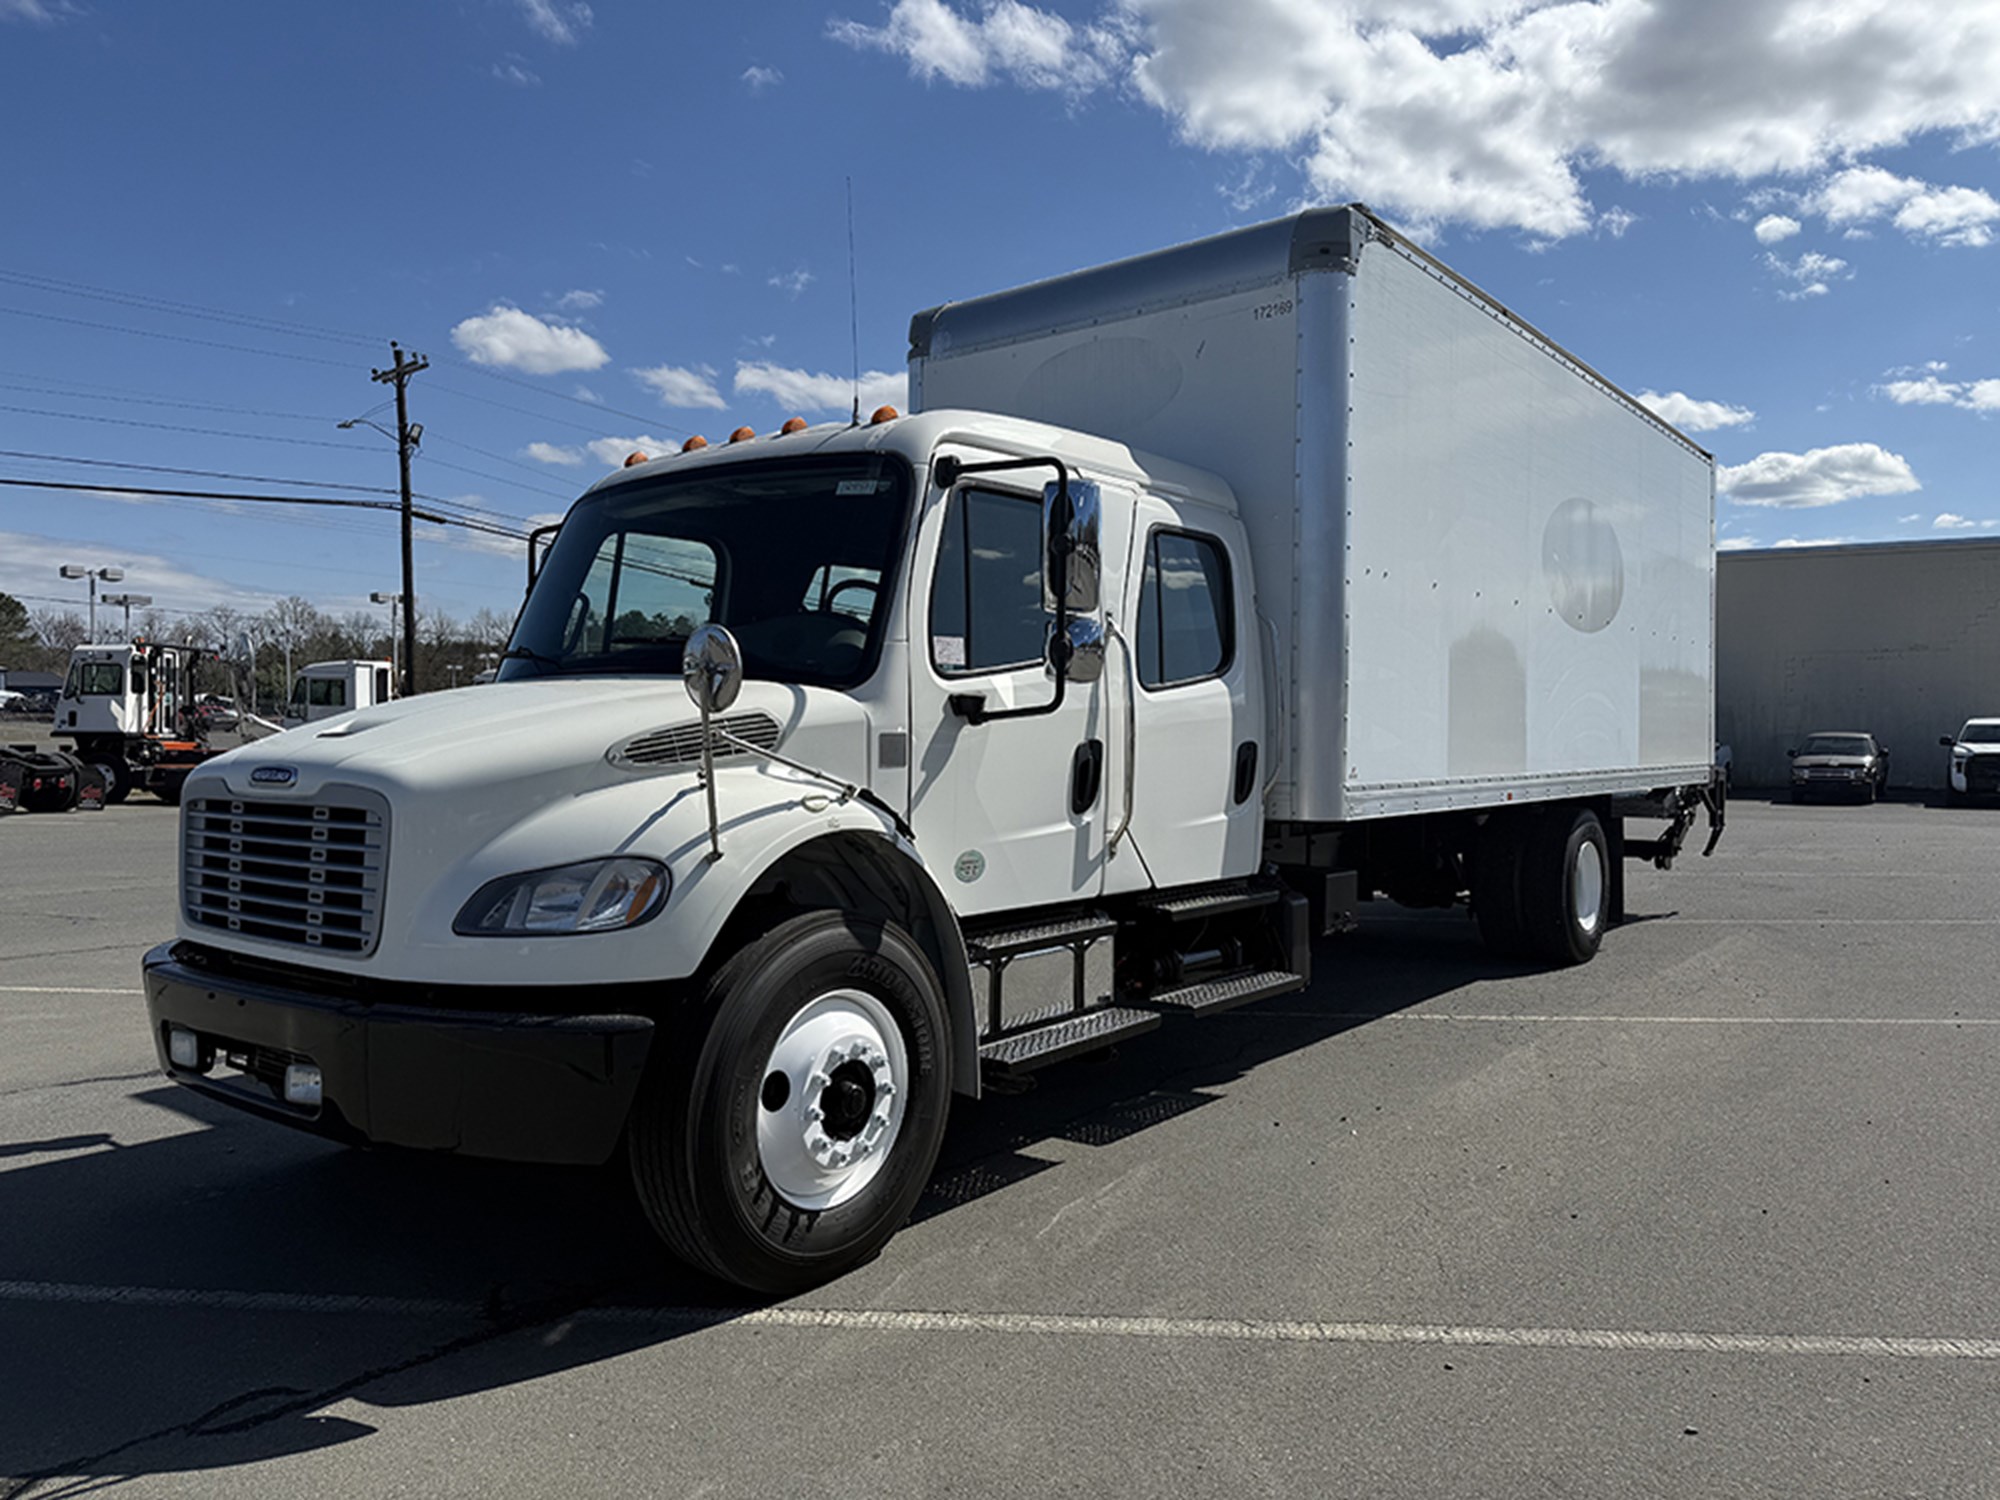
(681,744)
(309,873)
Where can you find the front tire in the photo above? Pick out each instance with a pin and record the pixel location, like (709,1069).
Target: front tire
(789,1130)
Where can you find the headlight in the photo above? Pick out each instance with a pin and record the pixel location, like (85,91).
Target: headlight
(600,895)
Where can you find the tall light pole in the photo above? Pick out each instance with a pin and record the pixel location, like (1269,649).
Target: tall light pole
(129,600)
(109,575)
(393,601)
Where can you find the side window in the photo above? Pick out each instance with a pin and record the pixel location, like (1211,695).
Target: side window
(846,591)
(1185,610)
(325,692)
(381,684)
(986,599)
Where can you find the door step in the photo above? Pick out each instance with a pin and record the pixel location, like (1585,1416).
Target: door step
(1085,1032)
(1227,992)
(1212,901)
(1007,941)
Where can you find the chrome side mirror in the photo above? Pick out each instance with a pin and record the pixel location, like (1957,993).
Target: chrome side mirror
(712,668)
(1079,655)
(1071,550)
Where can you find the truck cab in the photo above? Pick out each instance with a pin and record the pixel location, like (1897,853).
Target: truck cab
(130,711)
(329,688)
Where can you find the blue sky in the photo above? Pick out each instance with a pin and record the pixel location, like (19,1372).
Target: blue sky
(617,222)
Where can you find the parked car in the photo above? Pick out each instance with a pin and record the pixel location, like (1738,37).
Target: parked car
(217,712)
(1974,767)
(1840,761)
(12,702)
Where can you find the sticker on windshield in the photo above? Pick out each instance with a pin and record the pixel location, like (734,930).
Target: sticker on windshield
(858,486)
(949,650)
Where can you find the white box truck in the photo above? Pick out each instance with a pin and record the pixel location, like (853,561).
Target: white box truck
(1208,594)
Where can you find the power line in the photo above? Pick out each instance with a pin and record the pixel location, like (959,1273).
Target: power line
(251,437)
(330,501)
(440,463)
(112,463)
(81,392)
(36,282)
(179,338)
(466,364)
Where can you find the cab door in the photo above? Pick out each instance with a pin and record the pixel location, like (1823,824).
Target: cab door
(1008,813)
(1195,722)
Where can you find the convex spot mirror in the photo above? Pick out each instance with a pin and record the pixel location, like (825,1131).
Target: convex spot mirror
(712,668)
(1077,654)
(1070,548)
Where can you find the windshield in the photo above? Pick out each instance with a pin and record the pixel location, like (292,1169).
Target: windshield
(1838,744)
(791,556)
(95,679)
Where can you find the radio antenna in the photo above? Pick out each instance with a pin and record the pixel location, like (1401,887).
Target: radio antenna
(853,305)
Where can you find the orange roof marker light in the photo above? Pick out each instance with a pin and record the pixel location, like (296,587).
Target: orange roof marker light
(794,424)
(883,414)
(697,441)
(637,457)
(742,434)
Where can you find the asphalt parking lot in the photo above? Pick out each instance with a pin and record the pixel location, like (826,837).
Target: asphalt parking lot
(1714,1215)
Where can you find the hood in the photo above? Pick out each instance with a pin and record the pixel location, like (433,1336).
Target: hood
(558,736)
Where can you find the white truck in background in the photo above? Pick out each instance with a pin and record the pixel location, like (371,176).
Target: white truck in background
(1207,595)
(326,688)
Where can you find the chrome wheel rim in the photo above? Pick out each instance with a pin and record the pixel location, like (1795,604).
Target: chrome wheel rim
(832,1099)
(1586,885)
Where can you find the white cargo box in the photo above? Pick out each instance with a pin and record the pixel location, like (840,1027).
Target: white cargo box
(1489,572)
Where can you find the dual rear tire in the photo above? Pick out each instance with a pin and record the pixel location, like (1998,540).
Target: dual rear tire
(1542,882)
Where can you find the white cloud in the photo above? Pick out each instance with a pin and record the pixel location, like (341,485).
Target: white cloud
(1774,227)
(579,300)
(560,21)
(37,12)
(1036,49)
(613,451)
(1820,476)
(758,79)
(676,386)
(1690,415)
(1815,541)
(1945,215)
(512,71)
(800,390)
(28,565)
(1735,544)
(552,453)
(791,282)
(1971,395)
(515,340)
(1489,112)
(1949,522)
(585,393)
(1811,272)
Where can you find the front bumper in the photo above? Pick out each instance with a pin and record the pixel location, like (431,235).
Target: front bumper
(508,1082)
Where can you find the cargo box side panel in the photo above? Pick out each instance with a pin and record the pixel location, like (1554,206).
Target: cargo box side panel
(1210,381)
(1529,577)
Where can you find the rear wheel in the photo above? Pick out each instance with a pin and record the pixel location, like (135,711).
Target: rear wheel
(117,777)
(792,1127)
(1566,885)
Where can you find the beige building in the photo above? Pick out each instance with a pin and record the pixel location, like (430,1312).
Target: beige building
(1900,639)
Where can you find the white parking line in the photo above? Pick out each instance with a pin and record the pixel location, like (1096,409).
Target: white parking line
(1048,1325)
(53,989)
(1497,1017)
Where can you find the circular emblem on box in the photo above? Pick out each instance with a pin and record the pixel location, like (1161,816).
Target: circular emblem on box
(970,866)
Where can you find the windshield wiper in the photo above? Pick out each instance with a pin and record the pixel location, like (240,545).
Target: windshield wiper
(528,653)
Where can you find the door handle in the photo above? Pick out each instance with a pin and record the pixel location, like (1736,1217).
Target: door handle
(1246,771)
(1086,775)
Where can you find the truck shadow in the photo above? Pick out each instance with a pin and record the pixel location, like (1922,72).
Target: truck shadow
(196,1302)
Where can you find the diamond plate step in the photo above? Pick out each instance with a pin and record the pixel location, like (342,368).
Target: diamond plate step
(1066,1038)
(1217,901)
(1226,993)
(1009,940)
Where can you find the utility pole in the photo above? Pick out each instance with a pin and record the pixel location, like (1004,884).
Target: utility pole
(407,438)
